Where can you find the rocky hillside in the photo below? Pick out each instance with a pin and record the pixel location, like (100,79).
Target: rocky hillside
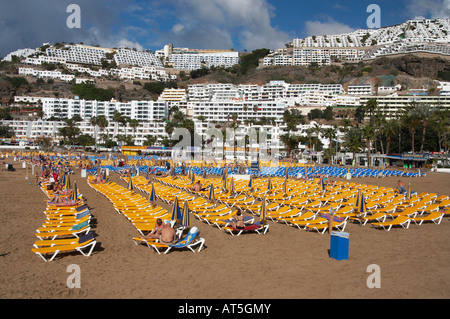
(411,71)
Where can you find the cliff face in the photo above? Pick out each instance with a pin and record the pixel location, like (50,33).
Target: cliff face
(415,65)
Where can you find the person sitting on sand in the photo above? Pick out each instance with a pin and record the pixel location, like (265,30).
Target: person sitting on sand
(400,187)
(239,221)
(168,235)
(156,232)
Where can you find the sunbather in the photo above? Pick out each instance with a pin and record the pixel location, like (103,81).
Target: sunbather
(58,201)
(156,232)
(168,235)
(239,221)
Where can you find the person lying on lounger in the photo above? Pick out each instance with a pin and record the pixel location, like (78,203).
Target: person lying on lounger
(59,201)
(98,179)
(239,221)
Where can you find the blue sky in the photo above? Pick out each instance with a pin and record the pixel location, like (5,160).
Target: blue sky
(219,24)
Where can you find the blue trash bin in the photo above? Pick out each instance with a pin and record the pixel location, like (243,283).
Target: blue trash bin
(339,245)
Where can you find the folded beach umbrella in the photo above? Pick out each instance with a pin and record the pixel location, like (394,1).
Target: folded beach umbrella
(211,197)
(152,195)
(63,181)
(193,177)
(224,183)
(189,174)
(130,184)
(285,186)
(185,215)
(263,213)
(322,185)
(67,183)
(250,183)
(232,185)
(74,195)
(358,199)
(269,185)
(146,174)
(204,173)
(176,211)
(408,196)
(362,207)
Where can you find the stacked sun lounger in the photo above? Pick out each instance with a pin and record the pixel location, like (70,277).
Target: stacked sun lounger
(65,229)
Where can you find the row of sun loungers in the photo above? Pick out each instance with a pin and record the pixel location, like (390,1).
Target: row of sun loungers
(143,215)
(304,205)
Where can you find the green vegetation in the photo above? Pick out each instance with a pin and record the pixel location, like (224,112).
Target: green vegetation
(158,87)
(17,81)
(90,92)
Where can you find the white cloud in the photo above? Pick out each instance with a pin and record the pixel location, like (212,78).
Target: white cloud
(328,27)
(429,8)
(233,23)
(178,28)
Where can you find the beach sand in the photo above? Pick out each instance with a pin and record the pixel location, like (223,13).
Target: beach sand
(286,263)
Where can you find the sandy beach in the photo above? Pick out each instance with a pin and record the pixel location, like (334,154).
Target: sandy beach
(286,263)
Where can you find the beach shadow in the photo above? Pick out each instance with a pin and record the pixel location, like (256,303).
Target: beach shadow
(5,254)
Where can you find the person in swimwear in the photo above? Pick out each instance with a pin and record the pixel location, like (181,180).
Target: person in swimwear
(156,232)
(239,221)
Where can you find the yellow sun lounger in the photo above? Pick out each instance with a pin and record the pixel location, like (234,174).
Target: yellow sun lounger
(54,247)
(435,217)
(322,227)
(402,221)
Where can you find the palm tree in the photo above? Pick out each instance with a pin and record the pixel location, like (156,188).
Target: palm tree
(317,130)
(117,117)
(102,123)
(330,133)
(424,112)
(442,120)
(134,124)
(368,133)
(411,120)
(353,140)
(94,121)
(370,107)
(390,130)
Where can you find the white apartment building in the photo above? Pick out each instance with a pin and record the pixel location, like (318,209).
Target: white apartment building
(223,111)
(195,60)
(136,58)
(360,89)
(80,54)
(43,128)
(46,74)
(140,110)
(390,105)
(21,53)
